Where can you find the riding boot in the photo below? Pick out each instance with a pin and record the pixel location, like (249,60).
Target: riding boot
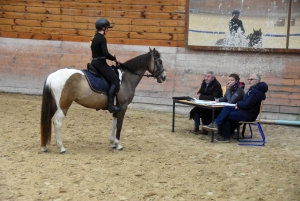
(111,97)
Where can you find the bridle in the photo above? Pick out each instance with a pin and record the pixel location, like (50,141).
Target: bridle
(158,72)
(155,75)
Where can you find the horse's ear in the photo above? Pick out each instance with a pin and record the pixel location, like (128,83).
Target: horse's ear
(154,50)
(253,29)
(150,49)
(260,29)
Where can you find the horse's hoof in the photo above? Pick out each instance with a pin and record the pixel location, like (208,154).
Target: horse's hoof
(119,147)
(63,150)
(44,149)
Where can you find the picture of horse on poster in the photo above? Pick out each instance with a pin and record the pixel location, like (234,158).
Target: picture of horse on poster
(239,40)
(64,86)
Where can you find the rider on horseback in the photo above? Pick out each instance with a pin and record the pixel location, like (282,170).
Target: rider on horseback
(235,23)
(100,54)
(236,37)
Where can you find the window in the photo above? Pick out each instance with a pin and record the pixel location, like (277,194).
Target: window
(244,25)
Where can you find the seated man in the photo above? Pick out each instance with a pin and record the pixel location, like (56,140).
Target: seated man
(210,88)
(245,110)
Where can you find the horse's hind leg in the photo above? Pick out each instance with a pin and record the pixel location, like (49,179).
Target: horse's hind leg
(57,121)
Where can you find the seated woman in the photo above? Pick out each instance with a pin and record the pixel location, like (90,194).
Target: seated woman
(234,93)
(234,90)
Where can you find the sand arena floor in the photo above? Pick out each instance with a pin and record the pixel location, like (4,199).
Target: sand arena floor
(155,164)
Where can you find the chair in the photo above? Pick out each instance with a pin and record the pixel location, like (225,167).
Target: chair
(224,90)
(252,142)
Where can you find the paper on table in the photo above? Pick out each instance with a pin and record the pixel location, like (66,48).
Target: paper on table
(213,103)
(204,101)
(223,103)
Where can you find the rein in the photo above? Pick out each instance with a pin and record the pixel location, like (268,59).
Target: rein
(147,75)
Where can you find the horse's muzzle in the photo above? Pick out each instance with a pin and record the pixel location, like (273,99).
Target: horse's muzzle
(161,79)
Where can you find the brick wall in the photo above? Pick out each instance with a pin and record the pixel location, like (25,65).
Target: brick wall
(26,63)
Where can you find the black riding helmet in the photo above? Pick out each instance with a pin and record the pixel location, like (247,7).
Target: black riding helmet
(236,12)
(102,23)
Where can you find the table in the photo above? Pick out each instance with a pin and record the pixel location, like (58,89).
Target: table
(202,105)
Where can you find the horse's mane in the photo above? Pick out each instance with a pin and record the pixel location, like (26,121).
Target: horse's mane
(135,63)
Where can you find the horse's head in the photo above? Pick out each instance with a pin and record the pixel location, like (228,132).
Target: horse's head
(257,33)
(157,69)
(255,39)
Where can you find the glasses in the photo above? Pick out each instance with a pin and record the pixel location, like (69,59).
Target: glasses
(251,79)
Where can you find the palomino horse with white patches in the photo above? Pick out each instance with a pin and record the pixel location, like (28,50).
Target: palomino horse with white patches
(64,86)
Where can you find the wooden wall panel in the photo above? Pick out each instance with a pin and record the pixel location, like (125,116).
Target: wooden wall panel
(146,22)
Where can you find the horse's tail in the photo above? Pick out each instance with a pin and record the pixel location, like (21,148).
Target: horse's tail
(48,110)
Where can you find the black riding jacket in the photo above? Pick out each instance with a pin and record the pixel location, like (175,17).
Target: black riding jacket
(234,25)
(99,47)
(100,54)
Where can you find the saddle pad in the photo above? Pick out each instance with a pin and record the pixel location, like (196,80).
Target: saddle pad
(96,83)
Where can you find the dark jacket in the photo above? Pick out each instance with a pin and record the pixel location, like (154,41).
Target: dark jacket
(234,94)
(99,48)
(250,104)
(208,92)
(234,25)
(211,91)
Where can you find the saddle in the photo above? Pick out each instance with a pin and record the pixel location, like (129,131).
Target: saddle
(96,81)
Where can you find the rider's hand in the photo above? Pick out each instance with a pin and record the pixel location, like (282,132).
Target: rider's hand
(117,62)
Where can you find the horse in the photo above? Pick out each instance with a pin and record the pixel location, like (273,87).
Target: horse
(64,86)
(255,38)
(239,40)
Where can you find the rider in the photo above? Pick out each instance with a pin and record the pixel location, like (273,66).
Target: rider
(100,54)
(235,23)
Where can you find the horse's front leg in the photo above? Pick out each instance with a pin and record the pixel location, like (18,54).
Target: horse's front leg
(117,123)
